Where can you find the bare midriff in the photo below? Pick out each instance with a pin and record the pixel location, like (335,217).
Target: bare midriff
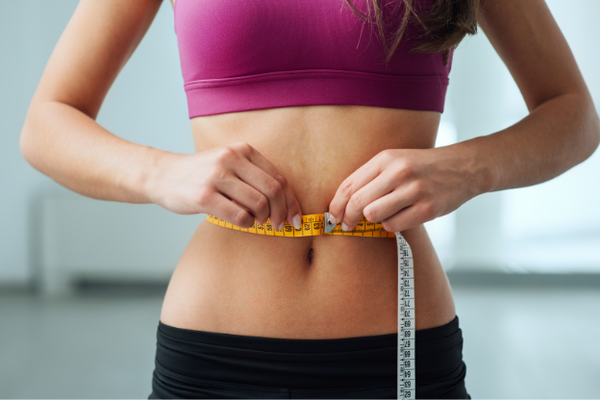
(319,287)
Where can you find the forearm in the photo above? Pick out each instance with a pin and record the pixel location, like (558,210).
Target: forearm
(554,137)
(71,148)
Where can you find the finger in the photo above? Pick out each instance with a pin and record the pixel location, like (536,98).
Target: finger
(388,205)
(246,196)
(268,187)
(231,212)
(366,173)
(407,218)
(373,190)
(291,205)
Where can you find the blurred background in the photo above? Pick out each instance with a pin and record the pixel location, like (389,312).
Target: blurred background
(82,280)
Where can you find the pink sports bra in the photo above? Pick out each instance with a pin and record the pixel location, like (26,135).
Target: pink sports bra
(240,55)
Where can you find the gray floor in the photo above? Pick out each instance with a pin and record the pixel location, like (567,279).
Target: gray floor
(521,341)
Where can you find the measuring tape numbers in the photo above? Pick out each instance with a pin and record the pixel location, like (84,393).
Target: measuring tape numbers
(318,224)
(407,372)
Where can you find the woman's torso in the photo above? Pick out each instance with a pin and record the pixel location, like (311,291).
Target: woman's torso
(240,283)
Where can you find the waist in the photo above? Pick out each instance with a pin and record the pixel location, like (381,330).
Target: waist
(323,286)
(235,282)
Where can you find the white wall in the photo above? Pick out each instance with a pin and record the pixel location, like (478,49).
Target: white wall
(147,105)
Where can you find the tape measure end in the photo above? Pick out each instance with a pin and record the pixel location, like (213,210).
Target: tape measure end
(328,225)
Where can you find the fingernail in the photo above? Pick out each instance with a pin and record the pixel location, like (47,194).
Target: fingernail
(280,226)
(332,220)
(344,227)
(297,221)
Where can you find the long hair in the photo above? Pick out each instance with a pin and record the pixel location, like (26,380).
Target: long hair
(444,26)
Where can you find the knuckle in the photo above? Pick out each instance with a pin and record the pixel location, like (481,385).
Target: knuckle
(403,168)
(217,173)
(203,197)
(225,155)
(384,155)
(242,218)
(387,225)
(429,209)
(347,187)
(281,180)
(370,214)
(407,166)
(418,187)
(261,203)
(243,147)
(274,188)
(356,200)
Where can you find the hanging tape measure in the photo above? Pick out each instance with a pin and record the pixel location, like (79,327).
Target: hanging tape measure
(318,224)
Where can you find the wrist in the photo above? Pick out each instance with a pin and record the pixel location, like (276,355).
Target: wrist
(153,172)
(483,166)
(478,166)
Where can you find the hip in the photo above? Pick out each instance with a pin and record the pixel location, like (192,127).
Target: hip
(305,288)
(197,364)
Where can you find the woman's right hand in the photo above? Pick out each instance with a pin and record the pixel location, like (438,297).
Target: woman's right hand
(233,182)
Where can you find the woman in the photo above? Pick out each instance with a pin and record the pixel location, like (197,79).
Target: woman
(310,317)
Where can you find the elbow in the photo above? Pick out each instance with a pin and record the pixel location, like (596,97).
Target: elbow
(25,143)
(595,133)
(591,130)
(584,127)
(28,144)
(596,139)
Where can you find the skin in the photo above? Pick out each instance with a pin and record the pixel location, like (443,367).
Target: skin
(275,163)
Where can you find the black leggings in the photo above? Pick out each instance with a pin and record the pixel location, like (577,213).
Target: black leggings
(198,364)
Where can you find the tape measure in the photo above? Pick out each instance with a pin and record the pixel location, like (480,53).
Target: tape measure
(318,224)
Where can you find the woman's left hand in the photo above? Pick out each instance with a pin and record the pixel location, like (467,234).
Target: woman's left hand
(403,188)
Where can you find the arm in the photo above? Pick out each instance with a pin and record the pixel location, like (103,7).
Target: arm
(60,137)
(403,188)
(562,128)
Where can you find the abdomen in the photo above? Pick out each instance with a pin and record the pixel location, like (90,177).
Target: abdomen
(311,287)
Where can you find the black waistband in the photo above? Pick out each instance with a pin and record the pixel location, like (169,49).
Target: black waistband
(281,345)
(364,360)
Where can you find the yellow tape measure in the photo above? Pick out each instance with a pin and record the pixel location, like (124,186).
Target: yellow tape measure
(318,224)
(312,225)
